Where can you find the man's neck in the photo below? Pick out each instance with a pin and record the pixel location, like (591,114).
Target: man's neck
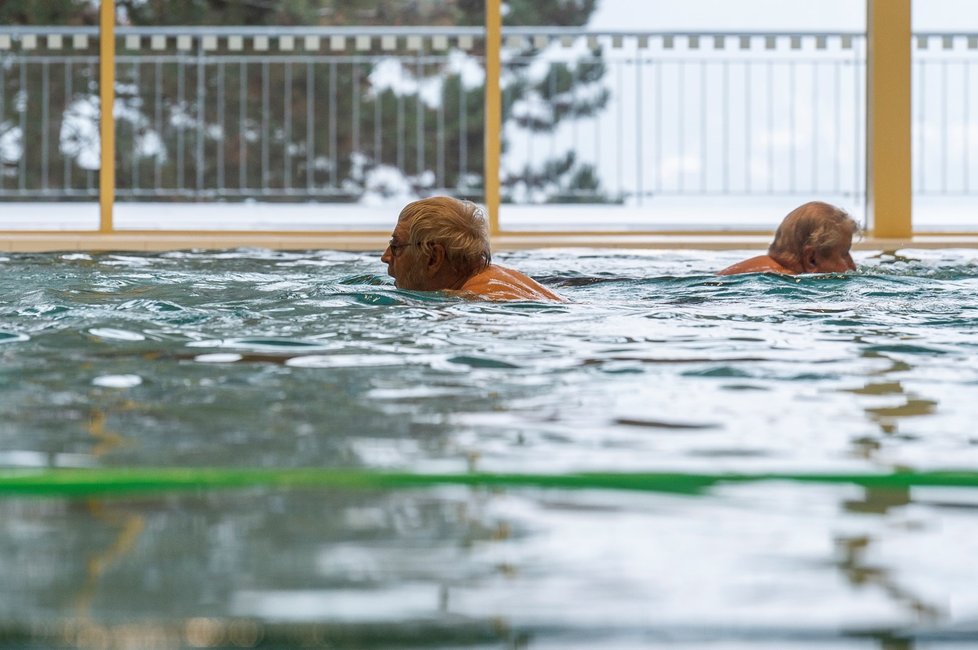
(793,269)
(458,282)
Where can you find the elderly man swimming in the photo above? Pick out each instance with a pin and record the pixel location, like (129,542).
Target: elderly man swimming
(442,244)
(813,238)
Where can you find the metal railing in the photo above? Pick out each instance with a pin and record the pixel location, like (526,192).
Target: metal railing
(945,138)
(710,114)
(336,114)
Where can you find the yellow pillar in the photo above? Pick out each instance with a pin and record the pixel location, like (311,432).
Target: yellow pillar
(493,123)
(106,175)
(888,78)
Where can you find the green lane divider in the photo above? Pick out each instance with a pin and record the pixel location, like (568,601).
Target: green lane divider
(109,481)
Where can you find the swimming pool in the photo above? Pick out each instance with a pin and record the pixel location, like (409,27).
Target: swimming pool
(253,358)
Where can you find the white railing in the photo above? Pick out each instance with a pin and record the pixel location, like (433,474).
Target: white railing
(334,114)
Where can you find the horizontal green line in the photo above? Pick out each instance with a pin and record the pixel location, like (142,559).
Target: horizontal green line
(108,481)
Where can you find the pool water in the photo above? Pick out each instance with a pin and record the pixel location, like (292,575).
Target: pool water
(254,358)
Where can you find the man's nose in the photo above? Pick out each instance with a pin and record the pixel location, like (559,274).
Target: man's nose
(386,256)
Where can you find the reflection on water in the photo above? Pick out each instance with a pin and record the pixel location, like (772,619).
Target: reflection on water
(129,527)
(273,359)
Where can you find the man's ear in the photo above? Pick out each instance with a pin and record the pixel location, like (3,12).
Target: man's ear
(436,259)
(809,259)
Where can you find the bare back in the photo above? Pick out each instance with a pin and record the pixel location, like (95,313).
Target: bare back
(499,283)
(759,264)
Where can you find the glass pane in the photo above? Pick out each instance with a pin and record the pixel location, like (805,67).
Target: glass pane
(681,116)
(945,126)
(330,115)
(49,112)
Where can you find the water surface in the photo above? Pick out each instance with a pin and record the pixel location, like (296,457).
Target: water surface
(254,358)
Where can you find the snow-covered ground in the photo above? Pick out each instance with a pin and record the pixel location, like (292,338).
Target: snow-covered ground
(667,213)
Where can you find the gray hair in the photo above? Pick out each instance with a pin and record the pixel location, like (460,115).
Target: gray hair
(819,225)
(459,226)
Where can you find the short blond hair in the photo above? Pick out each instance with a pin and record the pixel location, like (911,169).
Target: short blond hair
(460,226)
(819,225)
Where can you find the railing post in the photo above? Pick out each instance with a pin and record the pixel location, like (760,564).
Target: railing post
(889,192)
(493,109)
(106,175)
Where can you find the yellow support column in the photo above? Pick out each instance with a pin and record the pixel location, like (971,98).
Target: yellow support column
(106,175)
(888,79)
(494,113)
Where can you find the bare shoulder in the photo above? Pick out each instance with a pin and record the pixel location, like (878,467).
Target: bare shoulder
(499,283)
(759,264)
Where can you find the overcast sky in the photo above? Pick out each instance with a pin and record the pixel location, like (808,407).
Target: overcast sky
(762,15)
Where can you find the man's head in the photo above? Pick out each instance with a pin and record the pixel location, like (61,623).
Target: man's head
(815,238)
(438,243)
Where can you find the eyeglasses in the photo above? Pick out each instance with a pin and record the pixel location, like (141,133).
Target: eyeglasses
(397,249)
